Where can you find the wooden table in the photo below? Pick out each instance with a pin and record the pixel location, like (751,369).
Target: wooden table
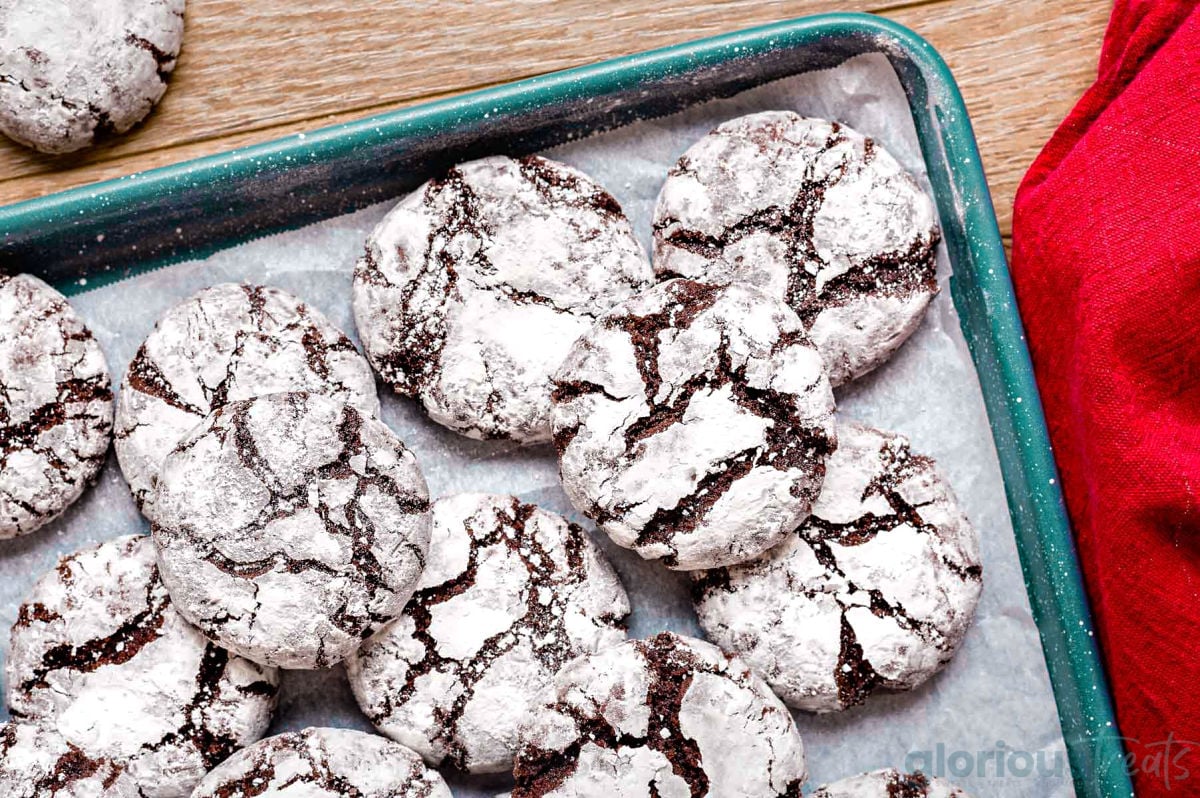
(254,71)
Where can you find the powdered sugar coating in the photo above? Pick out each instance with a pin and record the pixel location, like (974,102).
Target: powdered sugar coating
(55,405)
(324,762)
(876,589)
(36,762)
(228,342)
(890,783)
(668,717)
(291,527)
(815,214)
(511,593)
(100,654)
(473,288)
(71,70)
(692,423)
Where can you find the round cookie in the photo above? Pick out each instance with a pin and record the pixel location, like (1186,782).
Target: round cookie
(291,527)
(889,783)
(228,342)
(668,717)
(36,762)
(473,288)
(55,405)
(511,593)
(99,654)
(815,214)
(875,590)
(78,69)
(324,762)
(692,423)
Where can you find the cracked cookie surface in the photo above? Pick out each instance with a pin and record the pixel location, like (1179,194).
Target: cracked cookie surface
(99,654)
(668,717)
(889,783)
(511,593)
(875,590)
(291,527)
(56,405)
(36,762)
(73,70)
(693,422)
(324,762)
(473,288)
(228,342)
(817,215)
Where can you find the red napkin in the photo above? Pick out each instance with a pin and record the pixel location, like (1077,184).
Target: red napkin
(1106,260)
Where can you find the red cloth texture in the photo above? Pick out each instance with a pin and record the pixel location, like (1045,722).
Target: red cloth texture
(1106,261)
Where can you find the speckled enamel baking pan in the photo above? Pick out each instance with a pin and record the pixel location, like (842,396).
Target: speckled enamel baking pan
(142,222)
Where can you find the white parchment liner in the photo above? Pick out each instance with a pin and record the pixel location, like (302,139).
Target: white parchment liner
(992,705)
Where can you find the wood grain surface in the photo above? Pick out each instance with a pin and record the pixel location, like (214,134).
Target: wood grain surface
(255,71)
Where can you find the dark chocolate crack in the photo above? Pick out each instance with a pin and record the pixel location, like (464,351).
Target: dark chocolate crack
(144,376)
(559,188)
(128,641)
(81,404)
(908,785)
(791,442)
(261,774)
(540,624)
(196,733)
(856,678)
(887,274)
(123,644)
(164,60)
(350,520)
(418,337)
(71,767)
(671,670)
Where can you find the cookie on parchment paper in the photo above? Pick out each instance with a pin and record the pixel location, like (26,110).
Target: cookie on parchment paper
(35,762)
(693,422)
(815,214)
(875,590)
(324,763)
(74,70)
(56,405)
(291,527)
(667,716)
(473,288)
(890,783)
(511,593)
(99,653)
(229,342)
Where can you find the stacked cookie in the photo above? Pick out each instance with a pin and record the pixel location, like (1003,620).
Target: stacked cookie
(691,402)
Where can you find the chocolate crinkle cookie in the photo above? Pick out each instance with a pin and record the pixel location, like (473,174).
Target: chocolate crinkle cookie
(875,590)
(37,762)
(890,783)
(228,342)
(99,654)
(813,213)
(315,763)
(511,593)
(693,422)
(473,288)
(55,405)
(291,527)
(668,717)
(74,70)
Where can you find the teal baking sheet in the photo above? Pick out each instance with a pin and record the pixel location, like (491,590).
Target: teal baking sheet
(99,234)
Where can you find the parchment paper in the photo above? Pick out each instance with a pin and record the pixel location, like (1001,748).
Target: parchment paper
(993,703)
